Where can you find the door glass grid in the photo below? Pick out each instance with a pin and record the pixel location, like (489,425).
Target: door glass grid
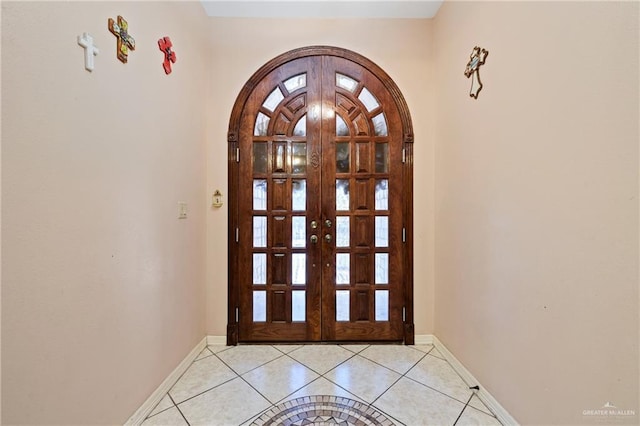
(279,200)
(362,206)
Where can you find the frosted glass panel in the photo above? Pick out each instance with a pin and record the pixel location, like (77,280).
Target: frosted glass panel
(382,305)
(368,100)
(342,305)
(299,195)
(298,268)
(259,231)
(342,157)
(262,123)
(301,127)
(298,306)
(382,158)
(379,125)
(382,194)
(259,157)
(298,231)
(382,268)
(342,231)
(382,231)
(345,82)
(341,127)
(259,268)
(259,306)
(259,194)
(273,99)
(342,194)
(299,157)
(296,82)
(342,268)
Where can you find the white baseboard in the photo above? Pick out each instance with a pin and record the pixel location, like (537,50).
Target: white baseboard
(141,413)
(423,339)
(492,404)
(216,340)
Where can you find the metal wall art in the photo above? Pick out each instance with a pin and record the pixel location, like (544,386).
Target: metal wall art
(169,55)
(478,56)
(125,41)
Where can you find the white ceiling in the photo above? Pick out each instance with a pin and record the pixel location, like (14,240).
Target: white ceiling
(322,8)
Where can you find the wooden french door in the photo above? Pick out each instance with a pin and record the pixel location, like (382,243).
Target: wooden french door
(319,213)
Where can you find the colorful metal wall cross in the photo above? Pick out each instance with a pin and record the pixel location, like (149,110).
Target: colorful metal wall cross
(125,41)
(169,55)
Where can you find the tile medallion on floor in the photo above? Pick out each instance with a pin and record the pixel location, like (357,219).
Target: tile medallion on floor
(247,357)
(321,358)
(438,374)
(279,378)
(164,404)
(232,403)
(472,417)
(396,357)
(201,376)
(363,378)
(415,404)
(170,417)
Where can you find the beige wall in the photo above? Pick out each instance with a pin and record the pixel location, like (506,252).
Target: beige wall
(537,204)
(403,48)
(102,286)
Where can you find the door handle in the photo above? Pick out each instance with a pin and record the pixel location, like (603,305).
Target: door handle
(314,239)
(314,224)
(327,223)
(328,238)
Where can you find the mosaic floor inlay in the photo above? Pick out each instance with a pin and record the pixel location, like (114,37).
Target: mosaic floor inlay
(322,410)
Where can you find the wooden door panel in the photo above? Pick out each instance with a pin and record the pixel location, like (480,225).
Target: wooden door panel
(279,130)
(362,138)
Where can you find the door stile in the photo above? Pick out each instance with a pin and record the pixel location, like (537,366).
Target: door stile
(232,259)
(314,207)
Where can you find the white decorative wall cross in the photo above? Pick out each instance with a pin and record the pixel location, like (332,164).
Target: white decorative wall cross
(90,50)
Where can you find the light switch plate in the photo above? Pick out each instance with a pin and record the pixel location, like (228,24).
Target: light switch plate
(182,208)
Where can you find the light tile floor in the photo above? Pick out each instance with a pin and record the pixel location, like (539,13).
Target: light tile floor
(411,385)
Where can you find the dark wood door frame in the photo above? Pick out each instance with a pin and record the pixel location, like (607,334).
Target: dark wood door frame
(233,170)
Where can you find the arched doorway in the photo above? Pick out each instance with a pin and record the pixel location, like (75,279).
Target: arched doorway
(320,203)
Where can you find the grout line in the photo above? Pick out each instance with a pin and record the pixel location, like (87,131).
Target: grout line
(179,410)
(250,385)
(204,391)
(399,378)
(254,368)
(434,389)
(463,408)
(162,411)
